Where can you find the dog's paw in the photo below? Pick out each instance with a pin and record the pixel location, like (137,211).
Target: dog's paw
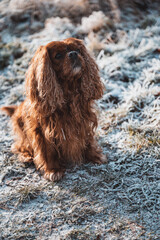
(100,160)
(54,176)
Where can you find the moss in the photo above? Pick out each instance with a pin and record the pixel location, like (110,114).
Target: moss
(140,139)
(27,193)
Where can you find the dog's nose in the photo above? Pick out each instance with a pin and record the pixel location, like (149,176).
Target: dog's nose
(73,54)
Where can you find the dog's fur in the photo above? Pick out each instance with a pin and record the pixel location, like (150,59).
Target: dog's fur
(56,122)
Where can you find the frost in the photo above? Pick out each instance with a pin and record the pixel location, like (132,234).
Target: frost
(117,200)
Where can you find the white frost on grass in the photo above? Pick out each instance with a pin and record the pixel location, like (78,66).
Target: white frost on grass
(94,22)
(54,27)
(113,200)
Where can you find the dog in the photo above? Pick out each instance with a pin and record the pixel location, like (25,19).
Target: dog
(55,124)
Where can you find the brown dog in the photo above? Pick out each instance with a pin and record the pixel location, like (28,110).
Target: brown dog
(55,124)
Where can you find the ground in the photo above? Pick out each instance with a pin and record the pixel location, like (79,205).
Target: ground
(116,200)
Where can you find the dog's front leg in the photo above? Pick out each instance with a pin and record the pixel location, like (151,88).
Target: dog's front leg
(45,156)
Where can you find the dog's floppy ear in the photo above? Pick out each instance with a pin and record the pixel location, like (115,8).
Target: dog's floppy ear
(91,82)
(42,88)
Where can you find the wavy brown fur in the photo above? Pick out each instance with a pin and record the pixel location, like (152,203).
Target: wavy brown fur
(55,124)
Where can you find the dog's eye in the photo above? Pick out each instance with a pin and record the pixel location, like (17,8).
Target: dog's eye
(58,55)
(78,51)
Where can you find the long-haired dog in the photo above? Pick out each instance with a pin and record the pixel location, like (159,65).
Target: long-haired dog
(55,124)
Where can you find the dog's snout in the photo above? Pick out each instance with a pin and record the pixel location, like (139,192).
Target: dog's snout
(73,54)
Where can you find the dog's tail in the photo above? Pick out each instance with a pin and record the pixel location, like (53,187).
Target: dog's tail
(9,110)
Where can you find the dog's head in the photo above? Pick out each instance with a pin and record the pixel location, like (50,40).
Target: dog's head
(58,65)
(67,57)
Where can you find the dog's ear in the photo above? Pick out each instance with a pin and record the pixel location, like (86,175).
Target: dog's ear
(42,88)
(91,83)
